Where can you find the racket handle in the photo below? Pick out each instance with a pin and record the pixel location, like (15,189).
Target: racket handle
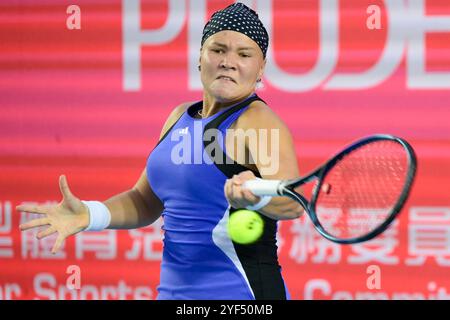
(260,187)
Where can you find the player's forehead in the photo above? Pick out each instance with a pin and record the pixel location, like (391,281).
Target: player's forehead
(231,40)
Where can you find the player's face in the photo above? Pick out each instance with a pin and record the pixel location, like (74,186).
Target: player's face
(231,63)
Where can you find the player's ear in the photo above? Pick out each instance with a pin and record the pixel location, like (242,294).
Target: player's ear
(261,69)
(200,59)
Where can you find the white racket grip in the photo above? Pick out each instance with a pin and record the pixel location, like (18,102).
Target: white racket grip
(260,187)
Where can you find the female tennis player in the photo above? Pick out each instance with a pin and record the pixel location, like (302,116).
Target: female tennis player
(200,261)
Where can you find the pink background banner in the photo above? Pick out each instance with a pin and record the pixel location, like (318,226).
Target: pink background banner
(90,103)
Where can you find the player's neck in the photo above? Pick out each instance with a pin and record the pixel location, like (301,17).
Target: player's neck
(211,105)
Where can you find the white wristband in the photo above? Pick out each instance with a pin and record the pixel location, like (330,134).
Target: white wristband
(263,202)
(99,216)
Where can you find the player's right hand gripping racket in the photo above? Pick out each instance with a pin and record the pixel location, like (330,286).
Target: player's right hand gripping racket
(358,192)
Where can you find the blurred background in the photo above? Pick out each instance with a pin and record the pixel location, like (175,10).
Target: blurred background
(86,85)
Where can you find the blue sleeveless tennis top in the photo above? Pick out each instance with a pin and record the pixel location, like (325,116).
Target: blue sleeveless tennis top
(199,259)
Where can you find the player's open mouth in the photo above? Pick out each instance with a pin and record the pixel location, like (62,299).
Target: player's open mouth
(226,78)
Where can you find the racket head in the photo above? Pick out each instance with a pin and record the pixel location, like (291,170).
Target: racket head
(362,189)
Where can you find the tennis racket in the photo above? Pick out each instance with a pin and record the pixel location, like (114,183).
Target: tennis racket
(358,192)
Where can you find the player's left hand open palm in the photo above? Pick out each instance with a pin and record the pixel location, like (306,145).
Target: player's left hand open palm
(68,217)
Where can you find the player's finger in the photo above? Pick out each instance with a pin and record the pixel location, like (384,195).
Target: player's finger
(238,197)
(32,208)
(232,191)
(247,175)
(49,231)
(229,193)
(64,187)
(34,223)
(58,243)
(227,189)
(236,180)
(249,196)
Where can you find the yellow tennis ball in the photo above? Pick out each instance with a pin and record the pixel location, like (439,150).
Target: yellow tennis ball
(245,226)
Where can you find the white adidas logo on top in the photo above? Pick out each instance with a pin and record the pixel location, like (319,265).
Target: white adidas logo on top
(183,130)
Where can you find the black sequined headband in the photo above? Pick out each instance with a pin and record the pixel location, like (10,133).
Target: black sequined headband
(240,18)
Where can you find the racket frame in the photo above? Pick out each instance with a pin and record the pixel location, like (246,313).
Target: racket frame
(286,187)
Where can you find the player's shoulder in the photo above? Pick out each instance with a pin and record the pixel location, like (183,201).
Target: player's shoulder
(179,110)
(259,115)
(174,115)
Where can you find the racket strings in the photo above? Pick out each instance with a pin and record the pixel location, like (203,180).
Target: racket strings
(360,192)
